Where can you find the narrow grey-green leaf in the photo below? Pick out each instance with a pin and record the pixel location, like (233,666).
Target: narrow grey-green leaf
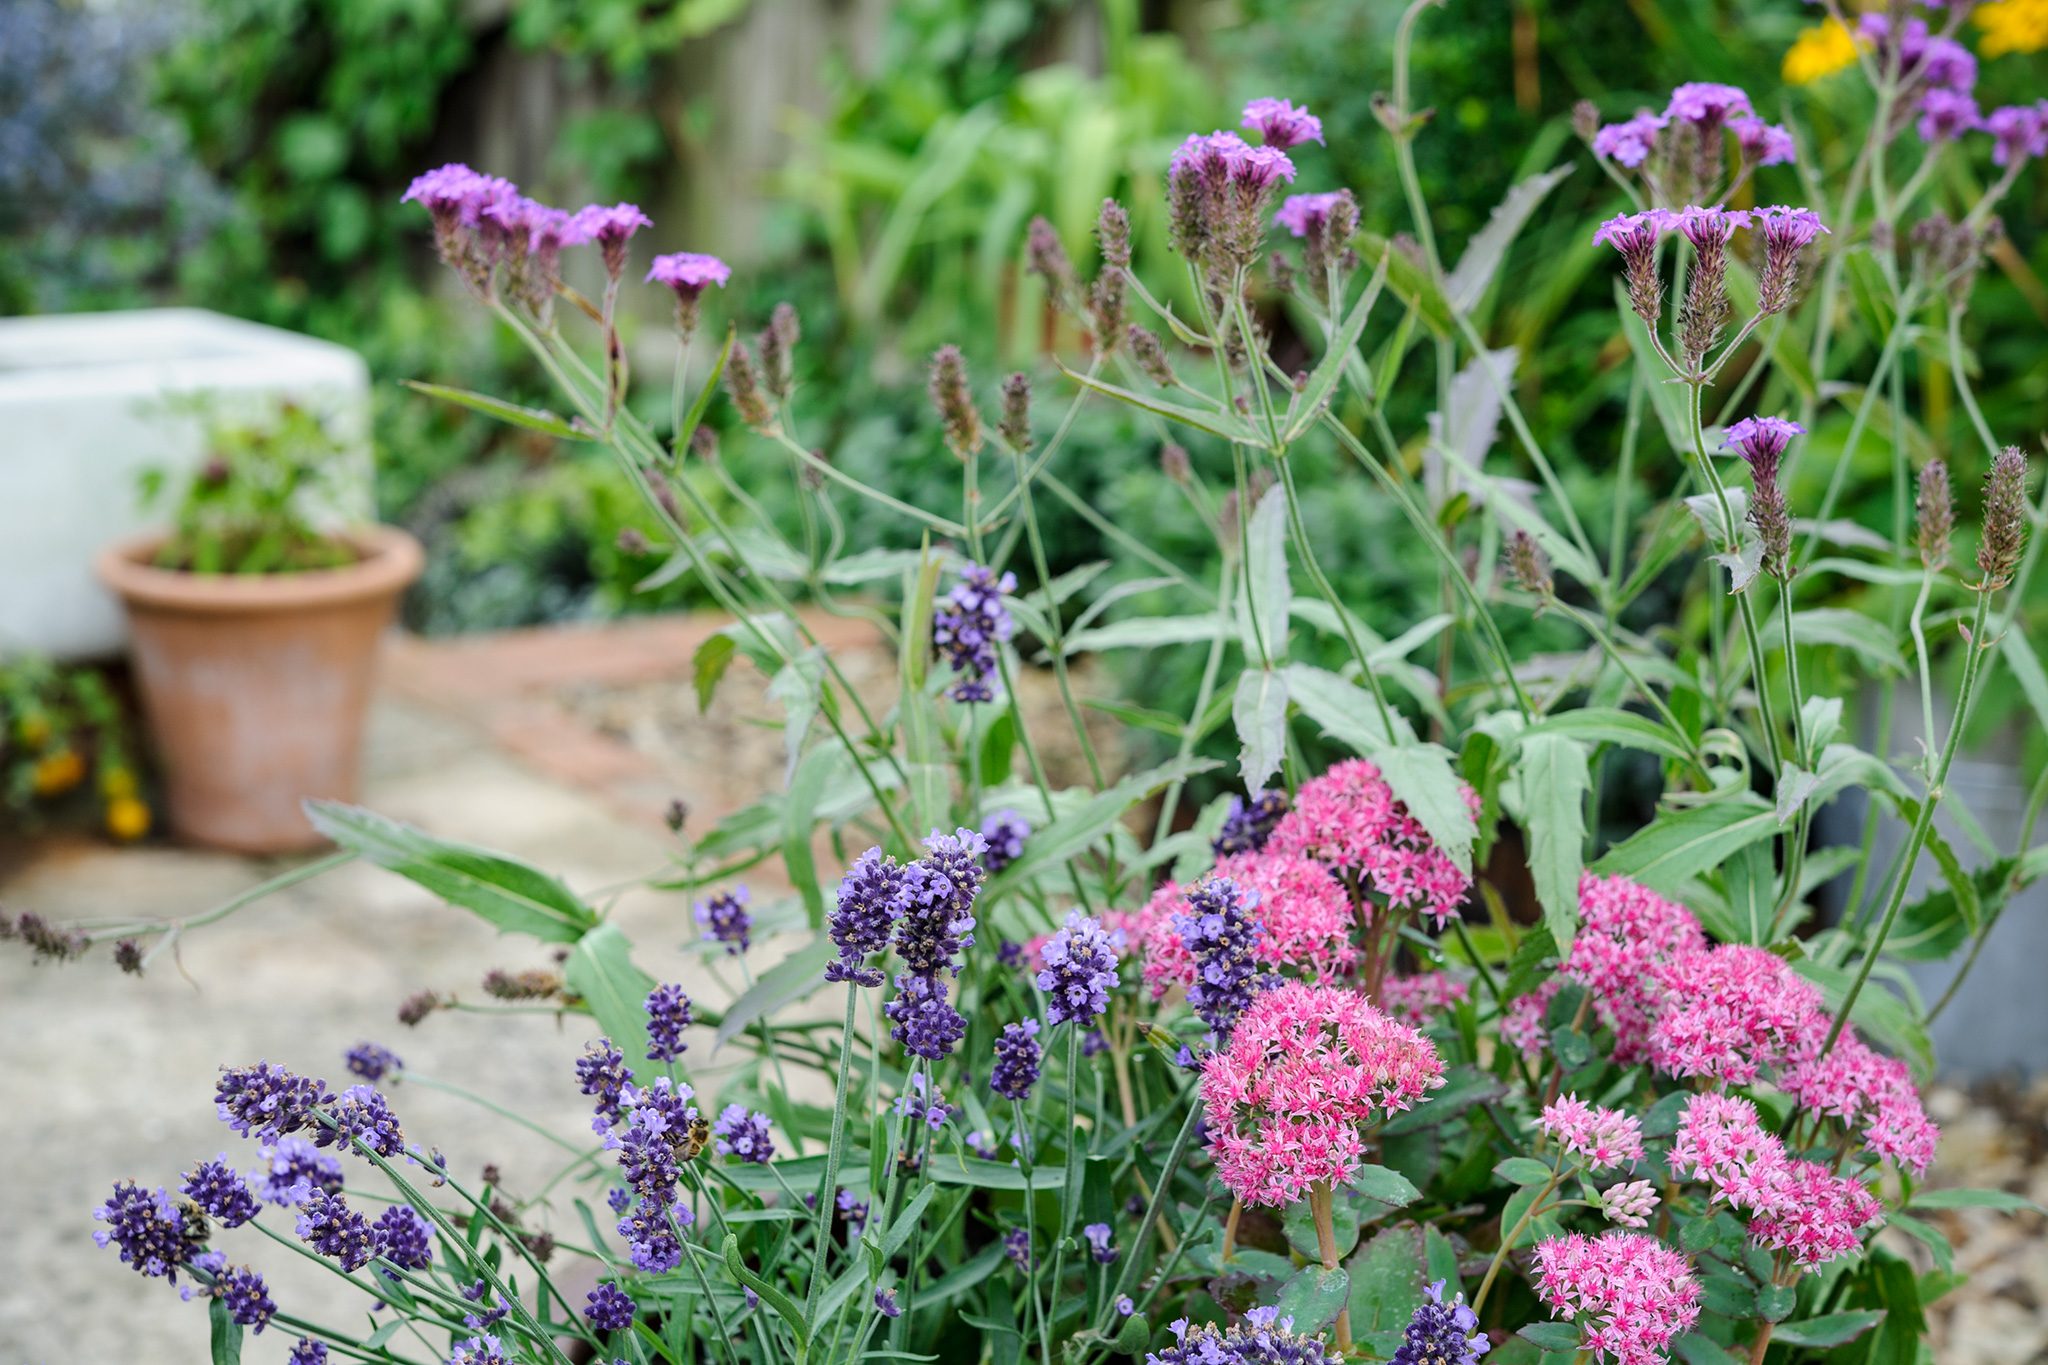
(1260,713)
(600,970)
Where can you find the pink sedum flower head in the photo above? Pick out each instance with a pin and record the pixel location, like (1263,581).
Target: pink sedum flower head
(1631,1295)
(1303,914)
(1307,1069)
(1814,1215)
(1706,104)
(1630,1204)
(1419,999)
(1627,931)
(1280,125)
(1763,144)
(1630,142)
(1869,1091)
(1349,819)
(1732,1012)
(1796,1207)
(1602,1138)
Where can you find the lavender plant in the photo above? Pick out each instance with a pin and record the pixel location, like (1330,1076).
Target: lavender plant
(1265,1081)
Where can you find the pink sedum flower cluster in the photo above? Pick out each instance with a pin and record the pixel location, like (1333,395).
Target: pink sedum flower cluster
(1306,1070)
(1867,1090)
(1627,932)
(1796,1207)
(1631,1294)
(1302,911)
(1732,1011)
(1418,999)
(1349,819)
(1602,1138)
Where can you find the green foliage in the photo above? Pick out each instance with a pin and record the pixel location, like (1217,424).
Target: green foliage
(257,503)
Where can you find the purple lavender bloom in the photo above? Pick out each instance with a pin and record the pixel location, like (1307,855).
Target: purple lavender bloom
(922,1099)
(939,890)
(1018,1057)
(608,1308)
(1629,142)
(865,907)
(1017,1246)
(267,1101)
(744,1135)
(495,1311)
(1441,1333)
(651,1240)
(886,1305)
(371,1061)
(1004,833)
(969,625)
(246,1296)
(1009,953)
(668,1014)
(983,1144)
(219,1190)
(652,1147)
(362,1114)
(619,1198)
(925,1022)
(854,1211)
(603,1074)
(1249,824)
(152,1233)
(1079,971)
(1219,933)
(328,1225)
(1705,104)
(724,917)
(1763,144)
(1099,1247)
(1945,115)
(1280,124)
(293,1168)
(307,1351)
(1093,1043)
(403,1237)
(2019,132)
(483,1349)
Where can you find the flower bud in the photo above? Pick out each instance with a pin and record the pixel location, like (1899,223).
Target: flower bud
(743,386)
(1934,514)
(1150,353)
(1015,427)
(1585,119)
(1528,567)
(1106,307)
(704,444)
(1113,234)
(1049,260)
(1174,463)
(2005,519)
(632,542)
(1761,441)
(954,404)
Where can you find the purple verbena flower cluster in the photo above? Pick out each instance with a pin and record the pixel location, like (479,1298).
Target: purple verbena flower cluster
(969,626)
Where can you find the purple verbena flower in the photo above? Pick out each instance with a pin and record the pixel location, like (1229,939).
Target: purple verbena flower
(724,917)
(1786,233)
(610,225)
(969,625)
(1629,142)
(608,1308)
(2019,132)
(1018,1057)
(1004,834)
(1761,441)
(1219,932)
(1635,235)
(1280,124)
(402,1236)
(153,1234)
(1945,115)
(1763,144)
(1302,214)
(1705,104)
(1079,971)
(688,274)
(668,1014)
(333,1229)
(371,1061)
(744,1135)
(221,1193)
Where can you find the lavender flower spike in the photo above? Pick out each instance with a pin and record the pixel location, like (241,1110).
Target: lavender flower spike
(969,626)
(1219,932)
(1080,971)
(865,909)
(1018,1056)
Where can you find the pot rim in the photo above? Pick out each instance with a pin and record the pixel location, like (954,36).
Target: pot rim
(391,560)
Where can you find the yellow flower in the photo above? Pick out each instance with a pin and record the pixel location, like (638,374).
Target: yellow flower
(58,773)
(2013,26)
(127,819)
(1819,51)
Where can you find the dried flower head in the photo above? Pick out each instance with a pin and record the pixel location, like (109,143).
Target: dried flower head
(1049,261)
(954,403)
(1015,426)
(1934,514)
(743,386)
(1528,567)
(2005,520)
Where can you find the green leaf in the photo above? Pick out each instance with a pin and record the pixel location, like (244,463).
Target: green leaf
(1776,1301)
(1230,428)
(226,1333)
(1339,353)
(1524,1170)
(1425,779)
(786,1308)
(948,1169)
(708,665)
(533,419)
(513,896)
(814,773)
(1346,712)
(1266,602)
(1410,283)
(1929,1236)
(600,970)
(1611,725)
(1388,1187)
(2026,669)
(1259,711)
(1553,778)
(1680,845)
(1144,632)
(1314,1297)
(1387,1279)
(1551,1336)
(1489,246)
(794,978)
(1869,640)
(1974,1199)
(1832,1329)
(1075,832)
(1694,1349)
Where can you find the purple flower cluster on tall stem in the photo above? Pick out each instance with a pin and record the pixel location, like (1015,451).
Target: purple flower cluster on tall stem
(1219,932)
(1761,441)
(609,1308)
(969,626)
(724,918)
(328,1225)
(661,1129)
(371,1061)
(1079,971)
(221,1193)
(1018,1057)
(1280,124)
(743,1134)
(603,1075)
(293,1168)
(1441,1333)
(1218,189)
(865,907)
(668,1014)
(1004,834)
(1248,824)
(267,1101)
(361,1114)
(152,1233)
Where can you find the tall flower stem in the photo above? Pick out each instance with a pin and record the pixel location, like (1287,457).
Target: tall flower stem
(1507,1243)
(1070,1183)
(1710,480)
(1321,1209)
(828,1187)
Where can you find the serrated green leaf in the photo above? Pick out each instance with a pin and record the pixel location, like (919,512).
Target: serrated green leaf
(1554,779)
(1259,710)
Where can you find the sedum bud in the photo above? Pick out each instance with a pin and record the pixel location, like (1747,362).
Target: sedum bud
(1934,514)
(954,404)
(2005,519)
(1015,427)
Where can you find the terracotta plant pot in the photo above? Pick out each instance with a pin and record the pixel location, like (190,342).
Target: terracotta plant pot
(255,686)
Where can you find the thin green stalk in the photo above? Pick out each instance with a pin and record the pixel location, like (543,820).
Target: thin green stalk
(1507,1243)
(1052,615)
(1712,480)
(828,1188)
